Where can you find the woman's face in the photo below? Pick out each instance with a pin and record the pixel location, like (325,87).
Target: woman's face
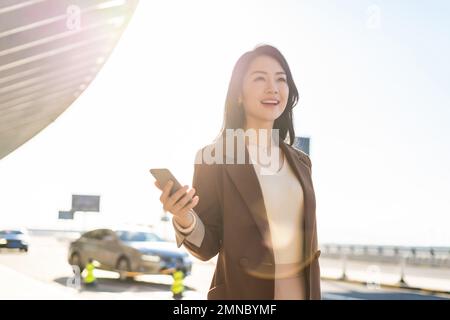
(265,91)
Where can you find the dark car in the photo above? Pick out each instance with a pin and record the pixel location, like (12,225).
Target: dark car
(128,252)
(14,239)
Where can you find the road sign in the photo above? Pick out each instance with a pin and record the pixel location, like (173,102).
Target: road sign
(85,203)
(302,143)
(65,215)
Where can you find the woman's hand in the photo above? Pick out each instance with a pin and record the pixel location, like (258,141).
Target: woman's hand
(178,203)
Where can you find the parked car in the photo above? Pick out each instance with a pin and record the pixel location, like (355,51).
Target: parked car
(128,252)
(14,239)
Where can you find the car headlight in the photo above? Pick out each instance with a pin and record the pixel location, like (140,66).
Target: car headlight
(3,241)
(149,258)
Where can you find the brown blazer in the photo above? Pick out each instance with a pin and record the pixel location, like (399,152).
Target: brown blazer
(232,210)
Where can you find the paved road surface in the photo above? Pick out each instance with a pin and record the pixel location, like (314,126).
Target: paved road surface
(43,273)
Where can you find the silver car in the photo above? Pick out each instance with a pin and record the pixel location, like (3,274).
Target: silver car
(128,252)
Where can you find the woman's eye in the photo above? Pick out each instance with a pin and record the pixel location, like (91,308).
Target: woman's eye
(282,79)
(259,78)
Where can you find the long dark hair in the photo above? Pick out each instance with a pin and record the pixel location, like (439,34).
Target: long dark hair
(234,114)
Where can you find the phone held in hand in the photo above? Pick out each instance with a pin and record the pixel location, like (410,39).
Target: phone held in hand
(163,175)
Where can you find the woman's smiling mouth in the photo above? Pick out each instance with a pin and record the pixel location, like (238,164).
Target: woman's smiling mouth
(270,102)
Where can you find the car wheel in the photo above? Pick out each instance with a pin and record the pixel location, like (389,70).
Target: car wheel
(75,260)
(123,267)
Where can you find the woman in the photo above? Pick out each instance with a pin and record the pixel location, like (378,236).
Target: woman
(261,223)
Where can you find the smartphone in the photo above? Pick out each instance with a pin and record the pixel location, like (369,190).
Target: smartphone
(163,176)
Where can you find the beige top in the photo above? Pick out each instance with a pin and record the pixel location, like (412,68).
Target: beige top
(283,200)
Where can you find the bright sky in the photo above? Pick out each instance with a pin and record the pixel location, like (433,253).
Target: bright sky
(373,78)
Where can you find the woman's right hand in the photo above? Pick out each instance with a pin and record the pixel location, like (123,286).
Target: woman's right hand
(178,203)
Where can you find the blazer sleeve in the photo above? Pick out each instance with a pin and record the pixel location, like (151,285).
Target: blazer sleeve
(209,211)
(195,236)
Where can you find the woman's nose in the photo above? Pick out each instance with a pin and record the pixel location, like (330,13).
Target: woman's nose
(272,87)
(272,90)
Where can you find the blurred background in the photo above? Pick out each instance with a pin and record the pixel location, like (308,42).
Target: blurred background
(95,93)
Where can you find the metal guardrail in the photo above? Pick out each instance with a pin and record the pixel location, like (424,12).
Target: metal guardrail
(427,257)
(438,257)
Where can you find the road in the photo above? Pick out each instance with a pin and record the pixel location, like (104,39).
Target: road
(43,273)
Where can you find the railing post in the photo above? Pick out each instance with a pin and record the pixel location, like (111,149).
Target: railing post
(344,267)
(402,282)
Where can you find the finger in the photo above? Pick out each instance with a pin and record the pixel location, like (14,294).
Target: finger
(176,196)
(184,200)
(157,185)
(190,206)
(166,191)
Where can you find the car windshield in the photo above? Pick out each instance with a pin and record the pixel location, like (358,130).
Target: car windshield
(137,236)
